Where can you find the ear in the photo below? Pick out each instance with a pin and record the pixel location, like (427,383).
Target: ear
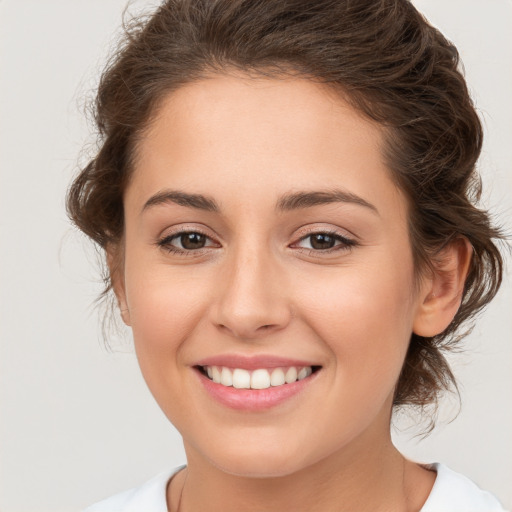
(441,292)
(115,266)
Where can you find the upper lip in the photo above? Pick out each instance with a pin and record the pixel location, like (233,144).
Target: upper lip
(253,362)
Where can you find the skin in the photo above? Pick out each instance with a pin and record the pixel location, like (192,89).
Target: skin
(259,287)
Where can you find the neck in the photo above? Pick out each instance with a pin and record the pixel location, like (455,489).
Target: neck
(355,478)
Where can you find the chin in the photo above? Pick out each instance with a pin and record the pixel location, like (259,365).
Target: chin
(263,468)
(257,461)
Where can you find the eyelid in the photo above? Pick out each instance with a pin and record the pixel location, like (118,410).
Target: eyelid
(179,234)
(337,237)
(164,240)
(308,230)
(346,242)
(179,229)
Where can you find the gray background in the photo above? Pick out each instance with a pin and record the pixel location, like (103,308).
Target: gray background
(77,422)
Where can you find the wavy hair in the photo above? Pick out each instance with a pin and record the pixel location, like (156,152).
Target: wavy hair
(382,56)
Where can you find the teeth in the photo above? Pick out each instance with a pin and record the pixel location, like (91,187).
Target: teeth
(277,377)
(226,377)
(241,379)
(260,379)
(291,375)
(303,373)
(216,375)
(257,379)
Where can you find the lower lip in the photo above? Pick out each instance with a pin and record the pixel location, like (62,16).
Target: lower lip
(254,399)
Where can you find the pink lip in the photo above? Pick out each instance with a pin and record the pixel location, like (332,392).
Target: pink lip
(252,362)
(253,399)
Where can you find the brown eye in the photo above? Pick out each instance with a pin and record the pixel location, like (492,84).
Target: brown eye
(186,242)
(191,241)
(322,241)
(325,243)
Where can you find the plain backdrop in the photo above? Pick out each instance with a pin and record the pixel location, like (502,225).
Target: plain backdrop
(76,421)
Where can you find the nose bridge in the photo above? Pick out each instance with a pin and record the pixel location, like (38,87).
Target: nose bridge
(252,299)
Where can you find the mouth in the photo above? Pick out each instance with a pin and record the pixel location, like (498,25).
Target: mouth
(255,385)
(256,379)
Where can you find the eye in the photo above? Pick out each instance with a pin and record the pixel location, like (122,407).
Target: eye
(186,241)
(325,242)
(191,241)
(321,241)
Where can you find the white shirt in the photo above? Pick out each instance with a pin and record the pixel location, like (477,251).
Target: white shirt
(452,492)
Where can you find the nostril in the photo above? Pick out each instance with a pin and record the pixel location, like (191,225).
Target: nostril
(248,332)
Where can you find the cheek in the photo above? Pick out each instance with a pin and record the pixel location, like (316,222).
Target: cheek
(165,308)
(159,313)
(365,318)
(164,312)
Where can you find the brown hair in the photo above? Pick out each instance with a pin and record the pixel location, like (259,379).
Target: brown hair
(380,54)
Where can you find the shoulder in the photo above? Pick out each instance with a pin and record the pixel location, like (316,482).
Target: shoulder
(149,497)
(456,493)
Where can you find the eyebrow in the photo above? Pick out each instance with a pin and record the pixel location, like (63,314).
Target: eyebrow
(299,200)
(197,201)
(287,202)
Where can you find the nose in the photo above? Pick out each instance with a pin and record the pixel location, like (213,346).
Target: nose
(252,299)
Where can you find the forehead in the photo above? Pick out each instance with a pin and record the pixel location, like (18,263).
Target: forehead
(293,108)
(260,134)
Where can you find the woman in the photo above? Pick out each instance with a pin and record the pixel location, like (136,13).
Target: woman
(283,192)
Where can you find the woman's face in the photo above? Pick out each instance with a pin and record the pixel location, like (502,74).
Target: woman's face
(264,233)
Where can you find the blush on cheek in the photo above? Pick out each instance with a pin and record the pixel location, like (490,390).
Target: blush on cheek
(158,316)
(368,327)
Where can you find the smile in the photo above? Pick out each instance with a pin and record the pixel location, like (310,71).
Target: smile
(260,378)
(256,384)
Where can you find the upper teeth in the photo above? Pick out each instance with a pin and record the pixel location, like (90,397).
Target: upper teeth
(257,379)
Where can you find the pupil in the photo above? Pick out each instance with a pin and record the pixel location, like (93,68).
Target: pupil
(321,241)
(192,241)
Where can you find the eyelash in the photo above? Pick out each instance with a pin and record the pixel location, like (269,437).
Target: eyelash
(344,244)
(165,243)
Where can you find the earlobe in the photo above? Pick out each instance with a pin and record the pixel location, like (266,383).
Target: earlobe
(114,262)
(441,293)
